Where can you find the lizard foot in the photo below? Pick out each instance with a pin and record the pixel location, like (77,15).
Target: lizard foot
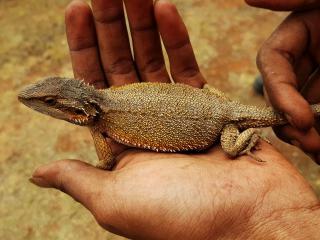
(104,165)
(254,156)
(236,144)
(265,139)
(253,145)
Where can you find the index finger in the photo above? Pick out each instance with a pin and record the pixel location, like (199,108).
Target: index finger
(276,61)
(82,43)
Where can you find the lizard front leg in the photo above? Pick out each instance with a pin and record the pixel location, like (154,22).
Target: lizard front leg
(235,143)
(103,149)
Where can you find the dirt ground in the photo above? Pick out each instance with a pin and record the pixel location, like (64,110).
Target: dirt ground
(226,36)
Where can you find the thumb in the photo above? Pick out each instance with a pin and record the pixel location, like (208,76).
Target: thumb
(92,187)
(284,5)
(80,180)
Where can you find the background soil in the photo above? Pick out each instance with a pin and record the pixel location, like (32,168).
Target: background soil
(226,36)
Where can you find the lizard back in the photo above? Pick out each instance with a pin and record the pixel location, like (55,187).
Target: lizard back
(163,117)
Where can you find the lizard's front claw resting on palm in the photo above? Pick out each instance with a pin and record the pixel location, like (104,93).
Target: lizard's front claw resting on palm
(105,165)
(104,151)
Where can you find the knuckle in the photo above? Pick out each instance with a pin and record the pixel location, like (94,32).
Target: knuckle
(120,66)
(62,171)
(144,27)
(263,56)
(179,45)
(188,72)
(153,65)
(108,15)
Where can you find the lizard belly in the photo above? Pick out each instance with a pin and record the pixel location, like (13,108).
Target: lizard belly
(159,133)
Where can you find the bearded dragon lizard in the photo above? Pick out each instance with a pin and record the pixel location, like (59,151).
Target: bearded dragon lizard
(161,117)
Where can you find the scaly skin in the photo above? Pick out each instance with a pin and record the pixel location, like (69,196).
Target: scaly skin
(156,116)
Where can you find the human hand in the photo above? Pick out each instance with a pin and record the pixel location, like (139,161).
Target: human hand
(170,196)
(100,49)
(289,64)
(196,196)
(284,5)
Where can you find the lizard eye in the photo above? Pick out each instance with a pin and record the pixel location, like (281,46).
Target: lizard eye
(50,101)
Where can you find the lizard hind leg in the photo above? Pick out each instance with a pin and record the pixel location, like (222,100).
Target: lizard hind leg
(236,144)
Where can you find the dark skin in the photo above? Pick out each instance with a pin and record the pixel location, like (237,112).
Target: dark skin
(171,196)
(289,63)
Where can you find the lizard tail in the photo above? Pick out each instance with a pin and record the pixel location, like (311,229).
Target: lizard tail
(254,117)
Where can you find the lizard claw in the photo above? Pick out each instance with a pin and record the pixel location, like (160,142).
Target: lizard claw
(265,139)
(254,157)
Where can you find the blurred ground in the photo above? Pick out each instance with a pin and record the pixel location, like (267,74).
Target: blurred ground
(225,36)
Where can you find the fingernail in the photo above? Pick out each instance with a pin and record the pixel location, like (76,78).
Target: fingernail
(296,143)
(40,182)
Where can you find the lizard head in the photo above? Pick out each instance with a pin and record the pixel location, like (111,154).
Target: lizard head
(63,98)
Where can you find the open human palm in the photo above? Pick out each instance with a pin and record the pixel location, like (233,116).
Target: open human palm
(151,195)
(182,196)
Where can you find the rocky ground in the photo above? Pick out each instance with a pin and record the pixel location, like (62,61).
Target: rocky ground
(225,36)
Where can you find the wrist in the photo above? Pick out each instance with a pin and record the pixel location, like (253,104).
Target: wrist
(302,223)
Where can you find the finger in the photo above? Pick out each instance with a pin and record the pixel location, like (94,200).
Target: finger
(183,65)
(83,47)
(304,68)
(146,41)
(311,93)
(284,5)
(113,41)
(308,141)
(79,180)
(92,187)
(311,89)
(82,43)
(275,62)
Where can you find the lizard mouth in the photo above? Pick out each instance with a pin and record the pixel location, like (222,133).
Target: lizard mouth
(80,120)
(79,117)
